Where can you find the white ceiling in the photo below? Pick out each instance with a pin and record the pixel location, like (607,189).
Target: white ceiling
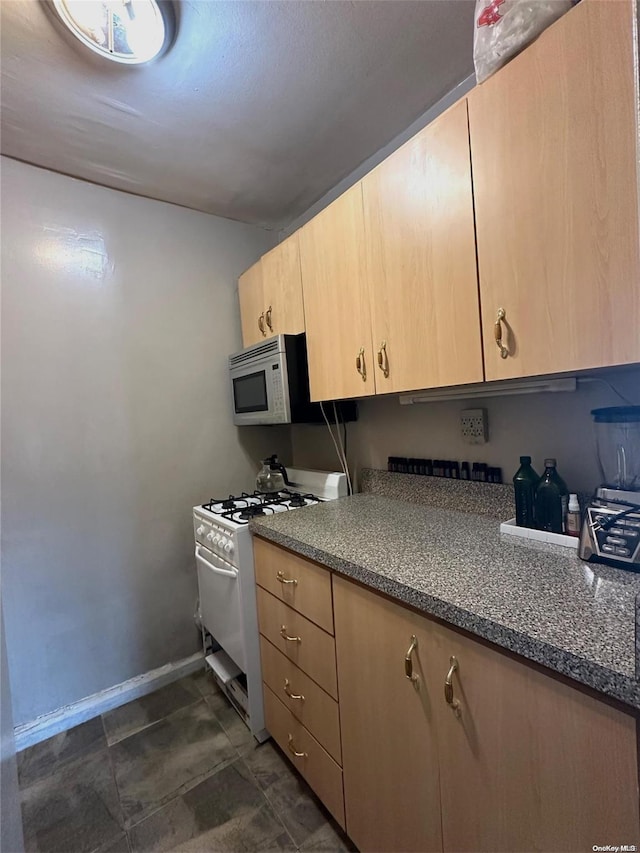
(257,110)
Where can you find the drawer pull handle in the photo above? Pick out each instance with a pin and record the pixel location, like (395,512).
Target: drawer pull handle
(261,324)
(293,750)
(497,331)
(454,704)
(281,578)
(360,365)
(267,317)
(285,636)
(291,695)
(408,663)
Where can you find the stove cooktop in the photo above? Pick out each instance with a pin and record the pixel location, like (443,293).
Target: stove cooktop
(242,508)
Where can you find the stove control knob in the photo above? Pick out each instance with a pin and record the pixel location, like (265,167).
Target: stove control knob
(200,530)
(229,547)
(211,537)
(221,542)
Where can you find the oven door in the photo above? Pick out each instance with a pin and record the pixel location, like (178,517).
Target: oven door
(260,391)
(219,589)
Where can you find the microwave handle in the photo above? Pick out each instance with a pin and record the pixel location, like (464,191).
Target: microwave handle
(230,573)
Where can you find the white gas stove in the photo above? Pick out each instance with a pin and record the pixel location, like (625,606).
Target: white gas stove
(226,581)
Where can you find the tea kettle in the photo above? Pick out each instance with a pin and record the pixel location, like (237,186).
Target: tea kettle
(273,476)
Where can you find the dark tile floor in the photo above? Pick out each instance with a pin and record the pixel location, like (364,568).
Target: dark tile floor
(175,770)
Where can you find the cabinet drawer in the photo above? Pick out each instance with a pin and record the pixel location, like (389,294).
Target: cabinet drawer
(317,711)
(311,592)
(313,651)
(316,765)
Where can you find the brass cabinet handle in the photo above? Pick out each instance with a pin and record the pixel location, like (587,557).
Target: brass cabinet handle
(291,695)
(408,663)
(261,324)
(285,636)
(281,579)
(448,685)
(292,749)
(383,359)
(268,318)
(497,330)
(360,365)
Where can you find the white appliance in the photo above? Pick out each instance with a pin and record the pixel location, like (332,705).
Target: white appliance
(226,581)
(269,381)
(270,385)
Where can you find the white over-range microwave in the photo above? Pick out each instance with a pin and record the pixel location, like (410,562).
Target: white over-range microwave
(270,384)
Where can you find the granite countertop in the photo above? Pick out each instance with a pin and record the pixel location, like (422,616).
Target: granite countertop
(537,600)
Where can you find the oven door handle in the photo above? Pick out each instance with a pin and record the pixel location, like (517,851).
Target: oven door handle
(230,573)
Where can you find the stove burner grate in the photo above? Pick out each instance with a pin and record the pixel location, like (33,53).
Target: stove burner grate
(220,505)
(243,508)
(242,515)
(251,512)
(297,500)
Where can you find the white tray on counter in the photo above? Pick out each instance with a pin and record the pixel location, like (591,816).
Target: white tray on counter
(511,528)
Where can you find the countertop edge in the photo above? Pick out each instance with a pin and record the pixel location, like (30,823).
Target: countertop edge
(585,672)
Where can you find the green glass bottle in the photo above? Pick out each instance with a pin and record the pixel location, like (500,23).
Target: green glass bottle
(525,481)
(552,497)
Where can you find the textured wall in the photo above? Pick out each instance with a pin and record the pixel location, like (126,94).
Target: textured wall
(118,315)
(538,425)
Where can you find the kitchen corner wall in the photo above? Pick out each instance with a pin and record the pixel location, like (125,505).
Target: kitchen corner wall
(118,314)
(538,425)
(11,837)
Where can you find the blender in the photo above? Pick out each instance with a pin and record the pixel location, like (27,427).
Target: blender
(611,528)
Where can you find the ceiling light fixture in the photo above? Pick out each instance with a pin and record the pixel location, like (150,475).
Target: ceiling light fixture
(126,31)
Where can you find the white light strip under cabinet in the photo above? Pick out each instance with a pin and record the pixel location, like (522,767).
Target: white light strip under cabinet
(506,388)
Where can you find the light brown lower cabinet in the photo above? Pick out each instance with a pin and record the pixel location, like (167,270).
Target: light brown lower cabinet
(299,667)
(389,758)
(528,762)
(441,742)
(315,709)
(505,759)
(308,756)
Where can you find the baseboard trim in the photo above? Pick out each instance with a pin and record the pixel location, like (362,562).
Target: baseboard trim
(78,712)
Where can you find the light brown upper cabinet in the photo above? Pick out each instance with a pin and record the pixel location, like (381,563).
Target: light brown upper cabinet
(282,289)
(250,294)
(421,260)
(336,303)
(553,144)
(270,294)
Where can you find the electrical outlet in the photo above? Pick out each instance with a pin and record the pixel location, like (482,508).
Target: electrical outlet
(474,426)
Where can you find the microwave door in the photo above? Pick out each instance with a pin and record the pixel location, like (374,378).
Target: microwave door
(250,395)
(259,392)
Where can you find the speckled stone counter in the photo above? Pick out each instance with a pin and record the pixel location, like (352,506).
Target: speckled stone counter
(538,601)
(495,500)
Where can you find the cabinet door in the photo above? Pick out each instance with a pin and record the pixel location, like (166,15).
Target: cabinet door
(553,142)
(251,298)
(282,288)
(421,260)
(336,303)
(389,758)
(529,763)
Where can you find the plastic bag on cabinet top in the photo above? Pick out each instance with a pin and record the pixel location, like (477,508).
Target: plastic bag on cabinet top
(505,27)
